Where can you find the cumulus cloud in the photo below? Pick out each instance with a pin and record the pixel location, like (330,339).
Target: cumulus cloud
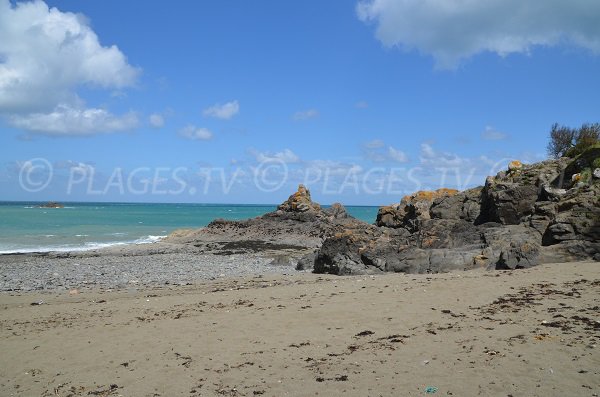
(46,55)
(156,120)
(491,134)
(305,115)
(65,120)
(453,30)
(225,111)
(286,155)
(377,151)
(196,134)
(374,144)
(397,155)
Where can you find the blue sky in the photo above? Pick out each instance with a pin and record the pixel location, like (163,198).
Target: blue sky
(238,102)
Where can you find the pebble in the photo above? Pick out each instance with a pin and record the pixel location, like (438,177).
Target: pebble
(25,272)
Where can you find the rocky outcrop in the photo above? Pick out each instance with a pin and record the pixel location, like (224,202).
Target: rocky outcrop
(411,209)
(299,202)
(298,222)
(523,216)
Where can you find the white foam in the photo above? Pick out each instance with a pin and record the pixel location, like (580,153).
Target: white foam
(86,247)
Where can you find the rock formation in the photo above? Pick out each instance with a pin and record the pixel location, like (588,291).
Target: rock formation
(298,222)
(523,216)
(528,214)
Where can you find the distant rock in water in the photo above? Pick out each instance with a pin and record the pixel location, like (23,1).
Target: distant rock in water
(52,204)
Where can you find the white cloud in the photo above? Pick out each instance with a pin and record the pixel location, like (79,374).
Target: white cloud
(225,111)
(453,30)
(196,134)
(427,151)
(374,144)
(377,151)
(397,155)
(287,156)
(306,115)
(361,105)
(65,120)
(156,120)
(75,167)
(491,134)
(46,56)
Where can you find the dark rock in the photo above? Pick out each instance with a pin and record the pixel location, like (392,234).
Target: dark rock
(411,209)
(337,211)
(52,204)
(507,203)
(464,205)
(577,216)
(513,246)
(307,262)
(447,233)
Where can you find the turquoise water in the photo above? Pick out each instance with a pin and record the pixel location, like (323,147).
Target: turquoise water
(79,226)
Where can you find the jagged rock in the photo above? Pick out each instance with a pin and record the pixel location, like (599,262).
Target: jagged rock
(544,213)
(299,202)
(512,246)
(464,205)
(341,255)
(549,193)
(337,211)
(411,210)
(447,233)
(507,202)
(577,217)
(569,251)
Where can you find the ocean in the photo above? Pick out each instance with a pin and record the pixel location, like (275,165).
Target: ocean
(24,227)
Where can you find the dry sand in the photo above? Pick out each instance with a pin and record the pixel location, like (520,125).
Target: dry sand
(528,332)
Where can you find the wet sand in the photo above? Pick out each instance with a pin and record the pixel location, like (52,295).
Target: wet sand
(532,332)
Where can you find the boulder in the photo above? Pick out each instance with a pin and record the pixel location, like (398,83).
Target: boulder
(411,209)
(307,262)
(464,205)
(512,246)
(336,211)
(577,216)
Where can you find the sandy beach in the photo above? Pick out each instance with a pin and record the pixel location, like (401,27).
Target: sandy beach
(528,332)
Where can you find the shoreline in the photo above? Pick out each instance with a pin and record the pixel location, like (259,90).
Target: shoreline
(143,265)
(150,239)
(527,332)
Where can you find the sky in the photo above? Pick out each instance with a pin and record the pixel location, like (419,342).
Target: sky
(225,101)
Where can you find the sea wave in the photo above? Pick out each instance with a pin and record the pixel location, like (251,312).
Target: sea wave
(88,246)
